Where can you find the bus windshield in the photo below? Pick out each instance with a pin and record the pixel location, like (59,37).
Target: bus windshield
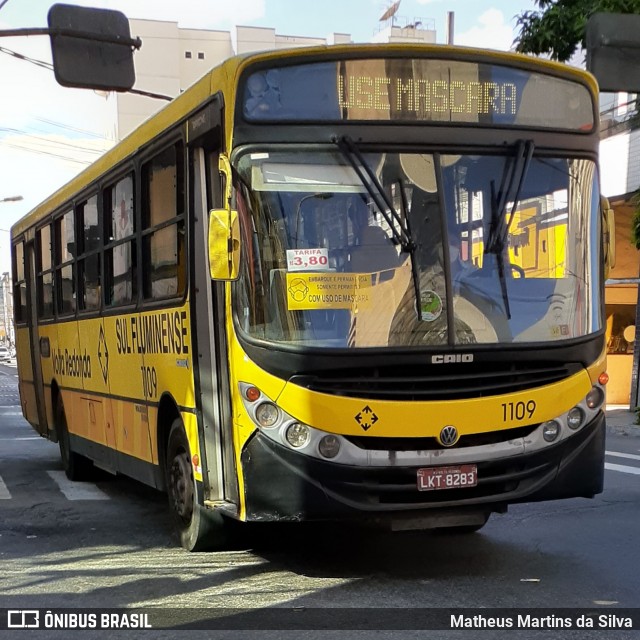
(327,264)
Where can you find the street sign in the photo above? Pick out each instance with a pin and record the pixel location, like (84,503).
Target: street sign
(613,51)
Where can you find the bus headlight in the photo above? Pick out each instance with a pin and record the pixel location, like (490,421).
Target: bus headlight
(329,446)
(575,418)
(550,430)
(297,434)
(595,397)
(267,414)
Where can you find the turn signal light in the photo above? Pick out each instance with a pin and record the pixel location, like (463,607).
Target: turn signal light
(252,394)
(603,378)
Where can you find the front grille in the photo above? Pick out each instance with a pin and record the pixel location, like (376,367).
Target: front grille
(398,486)
(442,382)
(430,444)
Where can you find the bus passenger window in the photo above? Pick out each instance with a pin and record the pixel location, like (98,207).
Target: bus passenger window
(65,253)
(45,274)
(89,265)
(120,251)
(163,232)
(19,284)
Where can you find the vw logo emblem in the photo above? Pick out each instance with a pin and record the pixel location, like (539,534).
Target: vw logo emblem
(448,436)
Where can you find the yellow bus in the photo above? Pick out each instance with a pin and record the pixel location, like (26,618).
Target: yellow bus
(354,282)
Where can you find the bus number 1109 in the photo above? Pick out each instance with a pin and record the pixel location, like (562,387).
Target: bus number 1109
(149,381)
(518,410)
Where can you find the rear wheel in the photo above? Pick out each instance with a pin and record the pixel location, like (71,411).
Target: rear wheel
(198,528)
(76,467)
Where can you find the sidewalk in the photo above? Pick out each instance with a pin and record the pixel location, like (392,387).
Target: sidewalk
(622,421)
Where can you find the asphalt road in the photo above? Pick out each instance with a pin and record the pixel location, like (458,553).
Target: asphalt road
(108,544)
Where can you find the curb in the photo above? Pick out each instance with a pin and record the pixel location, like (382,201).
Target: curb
(622,422)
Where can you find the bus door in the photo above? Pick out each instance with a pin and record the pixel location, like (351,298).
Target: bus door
(208,308)
(37,350)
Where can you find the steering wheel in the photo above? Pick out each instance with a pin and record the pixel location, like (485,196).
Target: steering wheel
(517,269)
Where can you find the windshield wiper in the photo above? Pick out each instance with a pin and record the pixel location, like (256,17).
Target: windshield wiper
(402,234)
(513,176)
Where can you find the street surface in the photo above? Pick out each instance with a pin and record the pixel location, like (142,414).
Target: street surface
(108,544)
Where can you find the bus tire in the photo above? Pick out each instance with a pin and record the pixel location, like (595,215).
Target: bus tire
(76,467)
(199,528)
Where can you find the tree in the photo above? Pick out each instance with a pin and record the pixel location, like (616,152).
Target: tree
(558,28)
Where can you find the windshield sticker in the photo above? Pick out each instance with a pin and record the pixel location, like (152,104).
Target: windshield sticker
(328,291)
(430,305)
(308,259)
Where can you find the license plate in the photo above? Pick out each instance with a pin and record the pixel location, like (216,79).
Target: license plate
(434,478)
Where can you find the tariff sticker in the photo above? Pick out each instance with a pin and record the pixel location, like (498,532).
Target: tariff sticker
(307,259)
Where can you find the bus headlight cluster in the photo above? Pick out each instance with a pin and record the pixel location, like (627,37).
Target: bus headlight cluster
(284,429)
(297,434)
(329,446)
(575,418)
(550,430)
(595,397)
(267,414)
(564,425)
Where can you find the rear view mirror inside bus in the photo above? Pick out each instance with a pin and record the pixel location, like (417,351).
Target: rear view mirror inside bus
(224,244)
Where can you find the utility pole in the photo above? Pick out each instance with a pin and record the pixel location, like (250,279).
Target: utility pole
(6,320)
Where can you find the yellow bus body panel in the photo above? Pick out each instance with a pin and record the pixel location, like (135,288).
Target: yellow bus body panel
(395,419)
(398,419)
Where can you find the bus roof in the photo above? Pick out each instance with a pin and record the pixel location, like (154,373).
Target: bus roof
(225,76)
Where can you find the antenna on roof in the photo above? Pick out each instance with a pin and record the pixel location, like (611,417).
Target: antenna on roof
(390,12)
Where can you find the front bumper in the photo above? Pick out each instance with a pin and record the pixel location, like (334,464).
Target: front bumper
(281,484)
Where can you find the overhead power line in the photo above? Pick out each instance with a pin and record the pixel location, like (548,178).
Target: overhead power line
(46,153)
(53,142)
(70,127)
(20,56)
(49,66)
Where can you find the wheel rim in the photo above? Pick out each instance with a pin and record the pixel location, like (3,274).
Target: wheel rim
(181,483)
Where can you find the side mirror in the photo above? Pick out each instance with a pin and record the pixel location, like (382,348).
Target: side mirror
(224,244)
(224,234)
(609,236)
(99,55)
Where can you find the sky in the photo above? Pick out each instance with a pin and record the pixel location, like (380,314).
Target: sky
(48,133)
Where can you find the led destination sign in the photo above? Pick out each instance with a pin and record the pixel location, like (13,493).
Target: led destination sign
(416,89)
(424,96)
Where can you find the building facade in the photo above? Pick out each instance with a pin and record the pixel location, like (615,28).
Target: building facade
(620,181)
(173,58)
(7,334)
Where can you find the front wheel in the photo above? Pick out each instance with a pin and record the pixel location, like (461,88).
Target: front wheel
(198,528)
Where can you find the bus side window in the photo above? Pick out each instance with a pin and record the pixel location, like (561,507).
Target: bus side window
(89,278)
(44,270)
(163,225)
(19,284)
(120,245)
(65,242)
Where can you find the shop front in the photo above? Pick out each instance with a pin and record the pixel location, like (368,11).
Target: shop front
(621,299)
